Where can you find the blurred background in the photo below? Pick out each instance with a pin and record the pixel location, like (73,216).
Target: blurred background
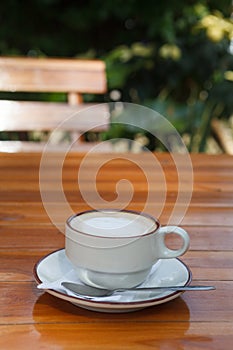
(173,56)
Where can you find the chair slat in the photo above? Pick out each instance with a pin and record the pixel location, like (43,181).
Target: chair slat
(52,75)
(46,116)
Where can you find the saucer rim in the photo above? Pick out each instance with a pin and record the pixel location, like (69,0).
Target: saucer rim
(114,305)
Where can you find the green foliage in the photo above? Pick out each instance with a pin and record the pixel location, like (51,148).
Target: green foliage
(171,56)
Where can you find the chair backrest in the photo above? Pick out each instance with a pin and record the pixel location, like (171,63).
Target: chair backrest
(53,75)
(71,76)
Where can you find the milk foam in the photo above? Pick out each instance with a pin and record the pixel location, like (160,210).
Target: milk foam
(113,224)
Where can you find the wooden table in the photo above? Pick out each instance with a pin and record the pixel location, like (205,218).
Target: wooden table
(31,318)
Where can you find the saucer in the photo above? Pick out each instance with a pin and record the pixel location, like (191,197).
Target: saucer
(55,265)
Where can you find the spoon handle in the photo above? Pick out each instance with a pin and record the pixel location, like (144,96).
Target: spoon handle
(174,288)
(90,292)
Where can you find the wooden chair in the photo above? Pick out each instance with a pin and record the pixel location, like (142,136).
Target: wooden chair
(71,76)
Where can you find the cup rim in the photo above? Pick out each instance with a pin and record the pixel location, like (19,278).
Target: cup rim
(135,212)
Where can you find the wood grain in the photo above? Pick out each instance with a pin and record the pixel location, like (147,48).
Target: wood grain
(52,74)
(116,335)
(31,318)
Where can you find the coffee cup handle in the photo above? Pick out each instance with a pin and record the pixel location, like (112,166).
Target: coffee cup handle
(164,251)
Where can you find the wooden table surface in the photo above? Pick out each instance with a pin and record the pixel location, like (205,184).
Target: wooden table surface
(31,318)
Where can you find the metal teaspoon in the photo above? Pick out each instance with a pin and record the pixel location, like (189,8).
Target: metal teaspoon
(89,291)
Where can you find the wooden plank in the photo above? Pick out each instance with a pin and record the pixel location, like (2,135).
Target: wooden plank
(18,265)
(31,237)
(47,116)
(214,199)
(194,216)
(108,335)
(203,162)
(199,199)
(220,174)
(51,74)
(210,265)
(140,188)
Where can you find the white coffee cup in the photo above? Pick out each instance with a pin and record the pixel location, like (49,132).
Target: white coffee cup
(117,248)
